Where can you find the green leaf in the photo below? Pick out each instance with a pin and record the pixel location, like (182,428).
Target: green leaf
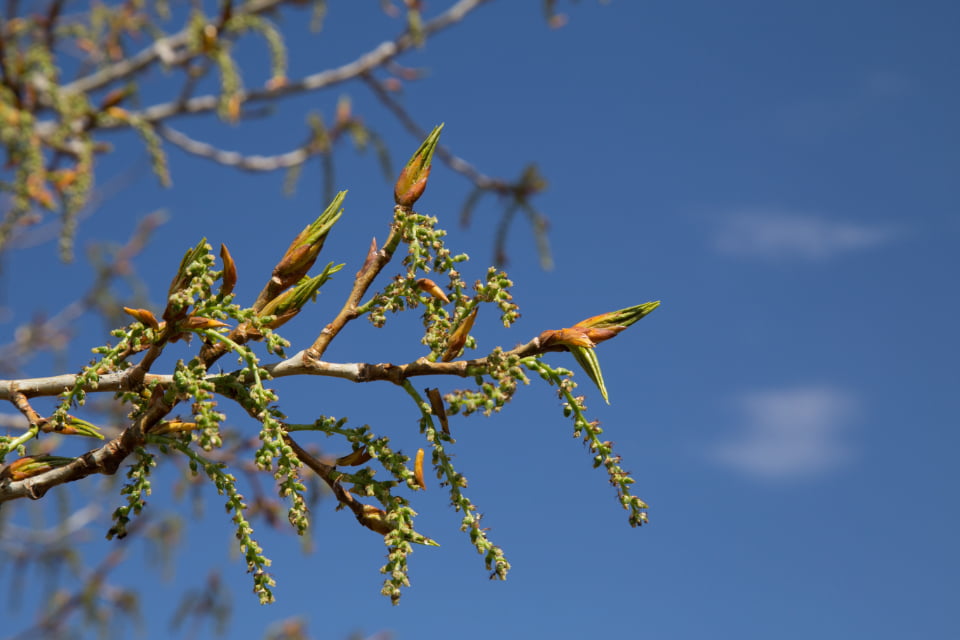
(587,358)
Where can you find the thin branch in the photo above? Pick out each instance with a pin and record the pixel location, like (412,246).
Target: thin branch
(372,265)
(23,406)
(106,460)
(365,514)
(296,365)
(233,158)
(378,56)
(162,50)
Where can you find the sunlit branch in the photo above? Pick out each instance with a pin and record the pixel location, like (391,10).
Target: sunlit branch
(233,158)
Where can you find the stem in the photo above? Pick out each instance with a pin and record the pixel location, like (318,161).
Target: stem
(13,445)
(373,265)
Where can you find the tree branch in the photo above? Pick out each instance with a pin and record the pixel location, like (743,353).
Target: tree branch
(162,50)
(376,57)
(233,158)
(296,365)
(105,460)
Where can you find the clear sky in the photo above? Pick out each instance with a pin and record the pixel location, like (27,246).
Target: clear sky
(783,176)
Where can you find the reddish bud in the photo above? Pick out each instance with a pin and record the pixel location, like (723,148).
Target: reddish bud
(459,337)
(436,405)
(429,286)
(229,276)
(144,317)
(413,178)
(418,469)
(572,337)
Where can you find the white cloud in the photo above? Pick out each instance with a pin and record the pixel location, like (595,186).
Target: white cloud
(781,235)
(789,432)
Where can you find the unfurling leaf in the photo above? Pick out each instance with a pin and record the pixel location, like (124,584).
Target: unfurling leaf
(183,277)
(176,310)
(587,358)
(622,318)
(30,466)
(75,426)
(289,303)
(302,252)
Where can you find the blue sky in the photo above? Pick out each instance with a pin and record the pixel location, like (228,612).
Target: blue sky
(783,176)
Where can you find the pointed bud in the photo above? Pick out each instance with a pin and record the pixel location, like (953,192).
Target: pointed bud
(288,304)
(439,410)
(622,318)
(429,286)
(459,337)
(418,469)
(229,277)
(144,317)
(303,251)
(413,178)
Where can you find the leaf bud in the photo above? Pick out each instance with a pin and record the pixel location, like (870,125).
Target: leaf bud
(459,337)
(413,178)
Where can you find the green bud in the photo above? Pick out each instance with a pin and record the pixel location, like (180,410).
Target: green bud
(621,318)
(303,251)
(413,178)
(289,303)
